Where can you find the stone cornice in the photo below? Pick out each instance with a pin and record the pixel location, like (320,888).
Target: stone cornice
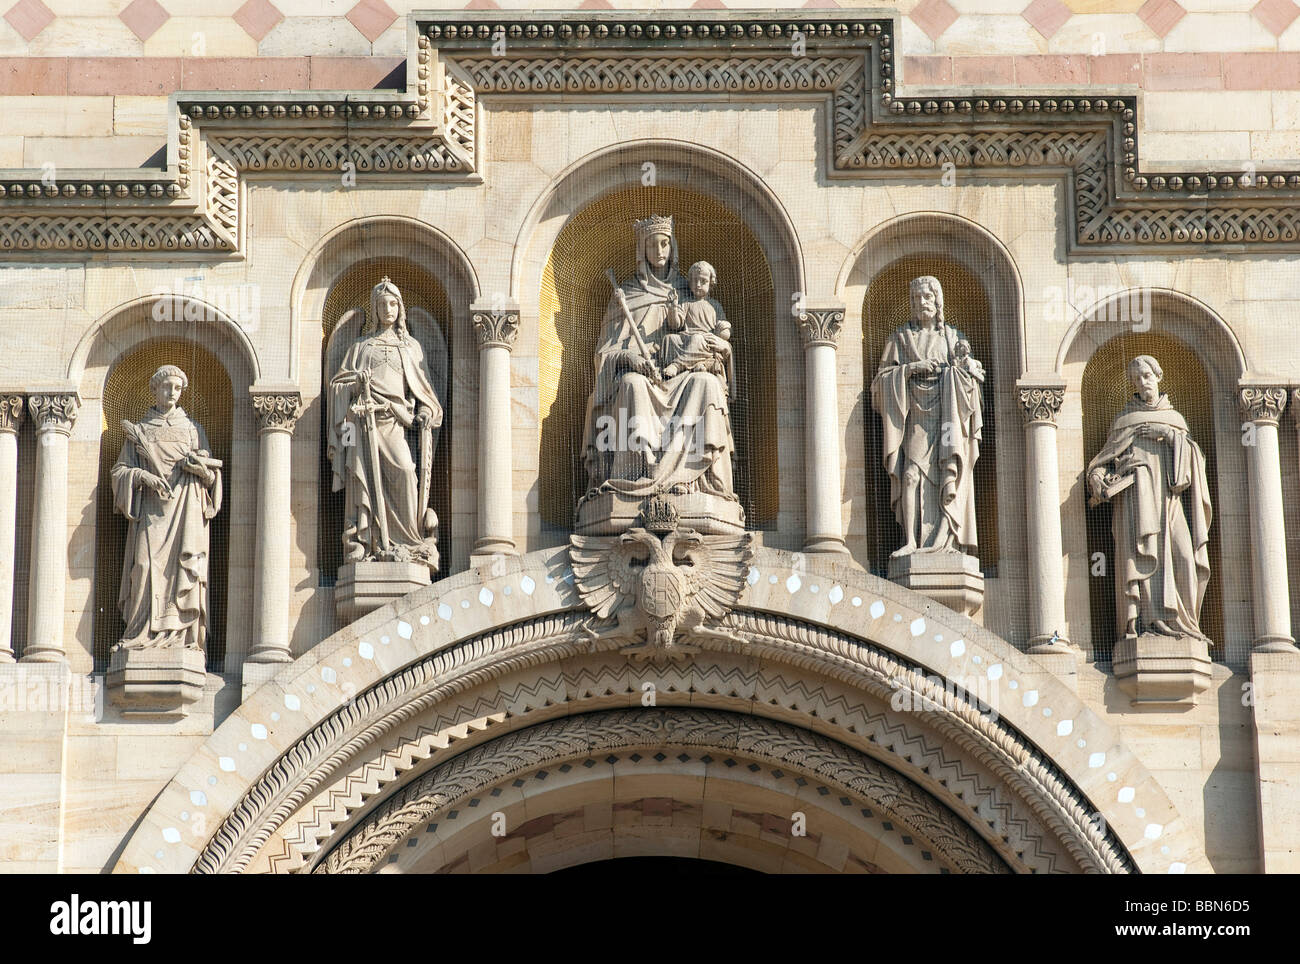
(838,56)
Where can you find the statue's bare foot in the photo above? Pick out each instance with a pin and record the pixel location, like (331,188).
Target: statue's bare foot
(906,550)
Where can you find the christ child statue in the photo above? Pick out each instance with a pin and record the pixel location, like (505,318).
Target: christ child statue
(699,334)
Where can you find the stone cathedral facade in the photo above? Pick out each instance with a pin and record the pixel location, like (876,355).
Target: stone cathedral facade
(800,439)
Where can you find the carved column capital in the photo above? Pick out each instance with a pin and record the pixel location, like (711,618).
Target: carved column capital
(496,328)
(820,326)
(54,411)
(277,409)
(1262,403)
(1040,403)
(11,411)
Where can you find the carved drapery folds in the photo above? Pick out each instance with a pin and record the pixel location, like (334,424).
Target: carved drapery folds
(277,411)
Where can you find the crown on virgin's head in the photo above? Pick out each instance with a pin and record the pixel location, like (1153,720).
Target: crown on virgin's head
(655,224)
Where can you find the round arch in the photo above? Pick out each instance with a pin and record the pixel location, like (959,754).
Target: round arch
(676,163)
(830,660)
(377,237)
(1145,317)
(133,327)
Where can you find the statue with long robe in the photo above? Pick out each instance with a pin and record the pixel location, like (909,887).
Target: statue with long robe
(650,431)
(929,394)
(1153,474)
(381,391)
(168,486)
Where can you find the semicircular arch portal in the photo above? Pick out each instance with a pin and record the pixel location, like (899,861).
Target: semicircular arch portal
(682,781)
(838,653)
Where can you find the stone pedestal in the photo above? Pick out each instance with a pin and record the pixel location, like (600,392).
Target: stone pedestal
(951,578)
(1160,671)
(156,684)
(363,587)
(611,513)
(1275,695)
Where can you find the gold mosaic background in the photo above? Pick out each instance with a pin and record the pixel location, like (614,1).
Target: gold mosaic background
(207,400)
(352,290)
(574,294)
(966,308)
(1106,390)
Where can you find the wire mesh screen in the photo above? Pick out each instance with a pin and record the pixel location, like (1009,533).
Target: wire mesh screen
(1106,390)
(421,293)
(207,400)
(966,308)
(574,294)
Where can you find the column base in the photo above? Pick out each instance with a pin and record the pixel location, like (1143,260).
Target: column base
(255,675)
(1274,644)
(39,654)
(486,550)
(156,684)
(951,578)
(363,587)
(1060,659)
(831,544)
(1162,671)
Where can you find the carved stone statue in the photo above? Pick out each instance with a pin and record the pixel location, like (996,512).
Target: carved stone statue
(167,484)
(1153,473)
(658,420)
(381,391)
(929,393)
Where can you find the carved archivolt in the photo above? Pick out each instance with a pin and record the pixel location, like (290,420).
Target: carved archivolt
(1019,802)
(431,129)
(839,768)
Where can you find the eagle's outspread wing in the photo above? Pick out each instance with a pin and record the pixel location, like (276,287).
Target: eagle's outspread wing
(603,571)
(716,567)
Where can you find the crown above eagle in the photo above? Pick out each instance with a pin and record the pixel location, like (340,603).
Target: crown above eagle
(658,515)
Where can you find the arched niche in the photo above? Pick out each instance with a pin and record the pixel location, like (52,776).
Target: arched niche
(966,308)
(345,313)
(111,368)
(983,298)
(571,307)
(207,400)
(686,180)
(436,278)
(1202,364)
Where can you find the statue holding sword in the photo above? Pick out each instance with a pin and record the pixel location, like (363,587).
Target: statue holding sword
(381,391)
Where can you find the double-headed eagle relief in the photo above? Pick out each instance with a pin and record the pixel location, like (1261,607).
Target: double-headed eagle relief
(660,539)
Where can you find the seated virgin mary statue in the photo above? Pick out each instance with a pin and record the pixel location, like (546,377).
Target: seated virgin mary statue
(648,434)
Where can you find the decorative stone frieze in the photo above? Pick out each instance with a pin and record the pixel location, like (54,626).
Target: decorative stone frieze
(431,129)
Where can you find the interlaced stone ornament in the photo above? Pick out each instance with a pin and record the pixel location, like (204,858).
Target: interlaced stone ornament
(660,581)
